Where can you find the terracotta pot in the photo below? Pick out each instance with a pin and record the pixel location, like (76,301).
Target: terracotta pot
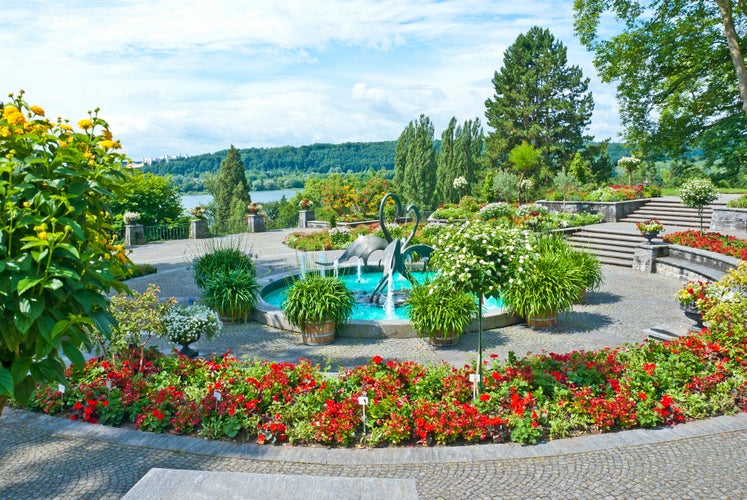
(545,320)
(319,333)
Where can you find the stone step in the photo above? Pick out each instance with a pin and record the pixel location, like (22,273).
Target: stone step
(600,246)
(626,239)
(661,335)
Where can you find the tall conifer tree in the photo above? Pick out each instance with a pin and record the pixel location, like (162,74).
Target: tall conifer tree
(538,99)
(231,191)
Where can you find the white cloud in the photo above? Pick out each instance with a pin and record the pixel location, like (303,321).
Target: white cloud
(190,76)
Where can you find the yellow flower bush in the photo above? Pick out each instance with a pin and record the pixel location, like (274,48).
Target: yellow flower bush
(58,261)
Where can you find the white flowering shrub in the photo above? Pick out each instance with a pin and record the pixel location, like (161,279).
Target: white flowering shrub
(531,209)
(496,210)
(482,258)
(697,193)
(183,325)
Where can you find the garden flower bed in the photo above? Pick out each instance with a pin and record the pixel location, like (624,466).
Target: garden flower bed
(714,242)
(524,400)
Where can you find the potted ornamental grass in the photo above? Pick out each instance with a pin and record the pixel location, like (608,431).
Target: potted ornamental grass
(317,305)
(233,293)
(555,284)
(185,325)
(439,312)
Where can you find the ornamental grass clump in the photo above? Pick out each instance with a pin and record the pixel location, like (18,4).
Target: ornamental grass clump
(317,299)
(220,256)
(439,310)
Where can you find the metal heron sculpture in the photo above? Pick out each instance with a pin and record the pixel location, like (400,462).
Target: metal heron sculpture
(396,250)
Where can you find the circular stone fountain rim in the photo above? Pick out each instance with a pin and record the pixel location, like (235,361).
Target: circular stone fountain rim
(268,314)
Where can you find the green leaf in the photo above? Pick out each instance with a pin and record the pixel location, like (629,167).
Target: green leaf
(73,354)
(53,284)
(20,368)
(6,383)
(59,328)
(69,249)
(22,323)
(77,230)
(24,389)
(27,283)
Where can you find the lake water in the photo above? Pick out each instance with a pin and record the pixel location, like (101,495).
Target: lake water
(190,201)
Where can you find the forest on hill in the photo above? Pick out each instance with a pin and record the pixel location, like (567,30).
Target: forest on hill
(281,167)
(289,166)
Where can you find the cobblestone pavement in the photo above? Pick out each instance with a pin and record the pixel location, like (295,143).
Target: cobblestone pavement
(44,457)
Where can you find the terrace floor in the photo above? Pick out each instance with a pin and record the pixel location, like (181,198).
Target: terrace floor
(45,457)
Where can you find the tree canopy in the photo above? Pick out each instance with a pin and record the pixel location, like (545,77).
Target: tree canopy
(539,99)
(680,73)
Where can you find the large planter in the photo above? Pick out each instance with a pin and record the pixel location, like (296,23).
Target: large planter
(321,333)
(650,235)
(543,320)
(439,339)
(188,351)
(693,314)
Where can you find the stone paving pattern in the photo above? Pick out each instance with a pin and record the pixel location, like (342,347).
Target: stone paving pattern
(45,457)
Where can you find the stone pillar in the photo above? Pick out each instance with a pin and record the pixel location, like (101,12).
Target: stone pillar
(644,258)
(304,216)
(198,229)
(256,223)
(134,235)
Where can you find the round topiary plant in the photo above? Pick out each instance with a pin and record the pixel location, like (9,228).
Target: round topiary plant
(697,193)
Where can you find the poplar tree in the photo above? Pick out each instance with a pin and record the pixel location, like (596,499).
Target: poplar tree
(418,171)
(461,148)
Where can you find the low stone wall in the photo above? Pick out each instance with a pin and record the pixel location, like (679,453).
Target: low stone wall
(684,263)
(728,219)
(705,258)
(612,211)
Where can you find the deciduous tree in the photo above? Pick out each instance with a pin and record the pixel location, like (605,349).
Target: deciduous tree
(680,72)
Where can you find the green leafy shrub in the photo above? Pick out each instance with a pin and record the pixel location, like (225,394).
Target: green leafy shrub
(496,211)
(139,316)
(233,293)
(437,308)
(58,262)
(740,202)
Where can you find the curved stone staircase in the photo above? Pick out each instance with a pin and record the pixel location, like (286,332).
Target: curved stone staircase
(614,242)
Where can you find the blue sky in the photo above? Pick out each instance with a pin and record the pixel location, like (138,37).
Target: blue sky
(190,77)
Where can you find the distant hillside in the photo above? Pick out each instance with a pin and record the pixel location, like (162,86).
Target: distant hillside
(317,158)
